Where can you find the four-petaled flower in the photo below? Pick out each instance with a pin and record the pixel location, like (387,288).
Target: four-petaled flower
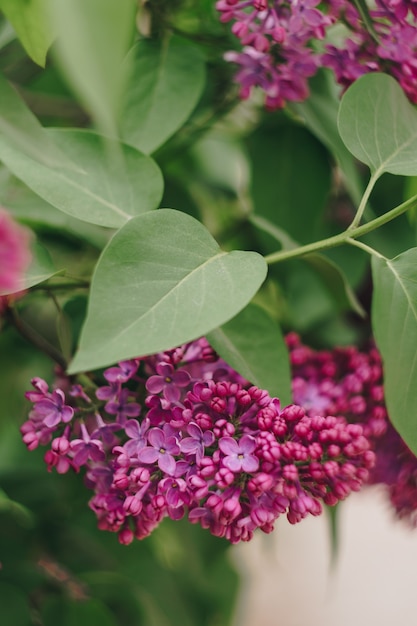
(162,449)
(238,455)
(198,440)
(169,381)
(53,409)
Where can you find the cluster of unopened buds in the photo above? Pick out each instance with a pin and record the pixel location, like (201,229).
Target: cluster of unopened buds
(181,433)
(285,42)
(349,382)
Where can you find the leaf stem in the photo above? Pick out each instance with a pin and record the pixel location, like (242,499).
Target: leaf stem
(366,18)
(341,238)
(364,246)
(364,201)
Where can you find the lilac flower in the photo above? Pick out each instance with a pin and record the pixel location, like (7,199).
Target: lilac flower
(53,410)
(124,372)
(137,433)
(238,455)
(197,442)
(122,407)
(162,449)
(86,448)
(14,253)
(169,381)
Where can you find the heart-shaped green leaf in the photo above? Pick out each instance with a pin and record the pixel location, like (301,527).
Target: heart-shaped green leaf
(162,281)
(104,191)
(394,321)
(167,78)
(252,343)
(379,125)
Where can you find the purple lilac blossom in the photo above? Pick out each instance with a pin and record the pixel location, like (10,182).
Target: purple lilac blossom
(223,452)
(284,44)
(349,382)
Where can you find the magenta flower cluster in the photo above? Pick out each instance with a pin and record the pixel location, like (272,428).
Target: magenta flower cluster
(181,433)
(14,254)
(348,382)
(284,43)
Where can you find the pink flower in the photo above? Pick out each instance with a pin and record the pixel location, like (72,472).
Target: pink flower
(14,254)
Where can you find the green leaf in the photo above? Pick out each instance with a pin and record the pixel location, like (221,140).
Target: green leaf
(14,607)
(93,38)
(379,125)
(252,343)
(28,18)
(162,281)
(167,79)
(394,321)
(76,613)
(281,157)
(336,282)
(40,269)
(106,192)
(22,130)
(319,112)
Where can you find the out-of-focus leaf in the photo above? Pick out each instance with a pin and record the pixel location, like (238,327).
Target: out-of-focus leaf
(329,272)
(28,18)
(39,215)
(106,192)
(394,322)
(319,112)
(168,282)
(93,37)
(336,282)
(40,269)
(167,79)
(379,125)
(252,343)
(67,612)
(14,606)
(281,157)
(21,129)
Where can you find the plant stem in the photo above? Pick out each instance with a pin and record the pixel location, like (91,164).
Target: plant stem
(341,238)
(367,249)
(364,201)
(366,18)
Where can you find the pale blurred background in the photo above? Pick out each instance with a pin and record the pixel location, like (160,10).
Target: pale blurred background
(288,578)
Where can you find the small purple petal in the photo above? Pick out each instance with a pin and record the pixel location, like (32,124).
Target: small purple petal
(167,464)
(148,455)
(228,446)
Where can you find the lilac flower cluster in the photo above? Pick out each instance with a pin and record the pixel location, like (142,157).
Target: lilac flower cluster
(181,433)
(348,382)
(283,44)
(14,255)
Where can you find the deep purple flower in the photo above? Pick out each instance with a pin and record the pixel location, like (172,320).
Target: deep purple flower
(238,455)
(86,448)
(124,372)
(122,407)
